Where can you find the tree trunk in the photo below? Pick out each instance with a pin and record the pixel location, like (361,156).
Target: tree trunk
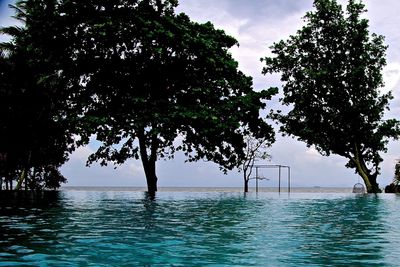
(372,185)
(375,186)
(368,178)
(21,179)
(26,182)
(24,174)
(149,162)
(369,181)
(151,177)
(246,185)
(246,177)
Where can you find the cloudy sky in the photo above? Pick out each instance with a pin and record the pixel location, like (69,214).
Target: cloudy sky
(257,24)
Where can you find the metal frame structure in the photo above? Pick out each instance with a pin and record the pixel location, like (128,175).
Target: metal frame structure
(272,166)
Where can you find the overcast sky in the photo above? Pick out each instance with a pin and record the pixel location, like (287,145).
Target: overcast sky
(256,24)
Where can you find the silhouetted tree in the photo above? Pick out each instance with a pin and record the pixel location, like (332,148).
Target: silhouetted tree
(159,83)
(34,132)
(255,149)
(332,72)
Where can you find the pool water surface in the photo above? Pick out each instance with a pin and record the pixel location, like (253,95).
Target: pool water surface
(111,228)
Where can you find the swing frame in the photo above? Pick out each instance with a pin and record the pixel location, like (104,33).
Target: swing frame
(279,167)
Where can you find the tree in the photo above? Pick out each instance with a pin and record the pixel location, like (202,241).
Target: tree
(332,72)
(254,150)
(35,136)
(164,84)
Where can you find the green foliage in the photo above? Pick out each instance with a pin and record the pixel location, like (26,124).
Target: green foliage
(35,136)
(146,81)
(160,78)
(332,72)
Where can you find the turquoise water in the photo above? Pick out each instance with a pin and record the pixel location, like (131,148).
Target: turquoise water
(79,228)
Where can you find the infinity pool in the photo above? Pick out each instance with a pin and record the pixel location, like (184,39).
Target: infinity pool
(104,228)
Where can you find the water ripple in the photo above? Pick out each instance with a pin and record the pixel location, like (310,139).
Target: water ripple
(197,229)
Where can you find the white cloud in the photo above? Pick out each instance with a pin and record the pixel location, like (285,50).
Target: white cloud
(134,168)
(81,154)
(391,77)
(312,154)
(215,11)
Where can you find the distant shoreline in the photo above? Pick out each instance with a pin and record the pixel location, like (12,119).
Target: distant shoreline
(210,189)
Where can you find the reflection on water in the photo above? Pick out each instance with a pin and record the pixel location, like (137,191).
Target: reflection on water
(346,232)
(196,229)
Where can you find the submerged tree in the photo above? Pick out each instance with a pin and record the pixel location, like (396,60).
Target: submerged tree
(332,72)
(255,149)
(165,84)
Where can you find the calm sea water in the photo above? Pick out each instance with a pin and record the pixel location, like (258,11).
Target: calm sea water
(126,228)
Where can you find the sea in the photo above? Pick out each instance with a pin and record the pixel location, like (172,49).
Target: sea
(110,226)
(314,189)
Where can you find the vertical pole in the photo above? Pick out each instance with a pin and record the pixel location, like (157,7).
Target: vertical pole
(289,179)
(256,179)
(279,188)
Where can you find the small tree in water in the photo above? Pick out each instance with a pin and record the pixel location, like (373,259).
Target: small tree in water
(332,72)
(256,149)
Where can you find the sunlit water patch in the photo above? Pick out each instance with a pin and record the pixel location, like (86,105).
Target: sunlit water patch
(79,228)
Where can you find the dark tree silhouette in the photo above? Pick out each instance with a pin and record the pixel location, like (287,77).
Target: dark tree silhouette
(332,72)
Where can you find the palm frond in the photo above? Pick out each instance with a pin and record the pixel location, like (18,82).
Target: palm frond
(7,46)
(20,13)
(13,31)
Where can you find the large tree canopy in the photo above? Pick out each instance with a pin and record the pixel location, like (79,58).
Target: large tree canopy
(163,83)
(146,81)
(332,72)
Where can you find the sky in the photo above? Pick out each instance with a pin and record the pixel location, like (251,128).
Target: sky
(256,24)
